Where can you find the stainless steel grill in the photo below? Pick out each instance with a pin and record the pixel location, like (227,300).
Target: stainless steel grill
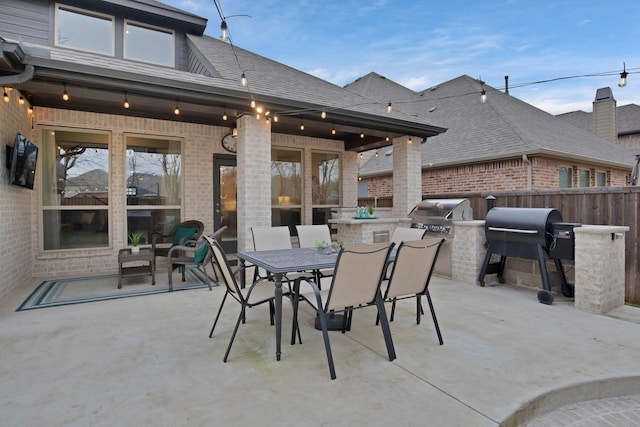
(530,233)
(437,216)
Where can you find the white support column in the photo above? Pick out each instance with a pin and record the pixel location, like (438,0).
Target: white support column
(407,175)
(349,178)
(254,177)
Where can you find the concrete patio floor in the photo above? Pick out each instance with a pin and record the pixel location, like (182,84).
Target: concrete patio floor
(147,361)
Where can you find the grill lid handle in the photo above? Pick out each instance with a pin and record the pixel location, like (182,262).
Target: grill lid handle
(513,230)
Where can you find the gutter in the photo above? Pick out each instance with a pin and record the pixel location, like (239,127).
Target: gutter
(526,160)
(16,79)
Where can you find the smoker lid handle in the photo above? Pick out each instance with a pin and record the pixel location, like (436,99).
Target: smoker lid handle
(513,230)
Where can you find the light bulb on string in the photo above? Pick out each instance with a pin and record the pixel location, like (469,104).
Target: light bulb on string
(224,36)
(623,76)
(65,94)
(126,101)
(389,107)
(323,114)
(243,79)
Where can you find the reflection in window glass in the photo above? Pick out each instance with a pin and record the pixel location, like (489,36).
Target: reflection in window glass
(148,44)
(585,178)
(326,178)
(154,177)
(75,189)
(566,174)
(286,180)
(286,188)
(84,30)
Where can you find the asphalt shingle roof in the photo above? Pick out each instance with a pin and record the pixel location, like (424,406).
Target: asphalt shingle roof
(628,117)
(271,79)
(503,127)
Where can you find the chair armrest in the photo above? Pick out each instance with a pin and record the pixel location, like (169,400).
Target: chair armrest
(190,246)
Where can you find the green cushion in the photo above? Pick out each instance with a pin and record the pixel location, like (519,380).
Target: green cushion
(184,233)
(201,253)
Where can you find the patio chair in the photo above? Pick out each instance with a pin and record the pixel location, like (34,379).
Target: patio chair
(400,234)
(193,253)
(307,237)
(270,238)
(247,297)
(352,287)
(187,230)
(411,274)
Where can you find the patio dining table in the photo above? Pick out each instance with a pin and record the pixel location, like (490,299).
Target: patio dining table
(280,262)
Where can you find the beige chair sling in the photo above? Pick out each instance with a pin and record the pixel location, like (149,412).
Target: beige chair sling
(411,274)
(352,287)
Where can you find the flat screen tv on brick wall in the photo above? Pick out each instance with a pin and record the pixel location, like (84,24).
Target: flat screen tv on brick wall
(21,162)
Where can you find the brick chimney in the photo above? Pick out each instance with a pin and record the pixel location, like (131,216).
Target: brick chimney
(604,115)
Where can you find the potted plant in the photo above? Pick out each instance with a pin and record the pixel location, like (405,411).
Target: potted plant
(370,208)
(327,247)
(135,238)
(323,247)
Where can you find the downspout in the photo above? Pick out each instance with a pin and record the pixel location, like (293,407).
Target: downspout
(526,160)
(17,79)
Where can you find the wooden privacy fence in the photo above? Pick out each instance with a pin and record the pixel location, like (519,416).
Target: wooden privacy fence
(595,206)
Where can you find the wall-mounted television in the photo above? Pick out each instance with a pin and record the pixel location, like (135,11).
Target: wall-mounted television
(21,162)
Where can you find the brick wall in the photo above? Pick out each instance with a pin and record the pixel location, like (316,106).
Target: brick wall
(18,205)
(23,260)
(505,175)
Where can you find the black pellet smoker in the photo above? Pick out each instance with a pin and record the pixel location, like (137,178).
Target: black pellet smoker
(530,233)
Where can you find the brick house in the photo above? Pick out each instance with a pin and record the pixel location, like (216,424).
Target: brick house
(161,109)
(502,144)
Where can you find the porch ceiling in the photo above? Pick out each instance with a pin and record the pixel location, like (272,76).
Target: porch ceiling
(108,98)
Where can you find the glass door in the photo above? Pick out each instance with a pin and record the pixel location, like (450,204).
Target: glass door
(225,186)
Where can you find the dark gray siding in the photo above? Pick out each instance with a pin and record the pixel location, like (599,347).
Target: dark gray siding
(27,21)
(33,21)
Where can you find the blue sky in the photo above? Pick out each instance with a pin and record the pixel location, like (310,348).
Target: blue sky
(423,43)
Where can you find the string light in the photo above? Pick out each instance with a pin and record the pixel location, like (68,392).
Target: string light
(126,101)
(243,79)
(483,96)
(623,76)
(333,130)
(301,125)
(224,116)
(65,94)
(21,100)
(275,118)
(389,107)
(362,134)
(410,141)
(323,114)
(387,139)
(176,110)
(224,36)
(5,96)
(253,103)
